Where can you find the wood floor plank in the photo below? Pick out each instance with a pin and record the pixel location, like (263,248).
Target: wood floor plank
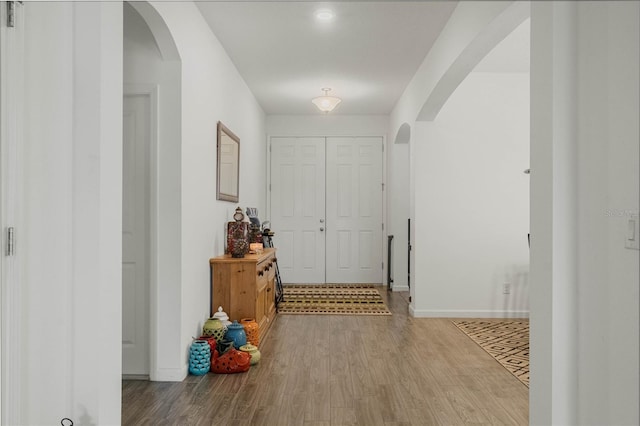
(345,370)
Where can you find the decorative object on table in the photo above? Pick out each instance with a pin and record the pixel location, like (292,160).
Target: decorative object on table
(236,333)
(252,330)
(223,345)
(214,327)
(252,214)
(232,361)
(253,351)
(238,235)
(256,248)
(255,233)
(238,216)
(199,357)
(228,182)
(222,316)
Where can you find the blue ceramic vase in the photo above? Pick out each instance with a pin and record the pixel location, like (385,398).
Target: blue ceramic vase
(236,333)
(199,357)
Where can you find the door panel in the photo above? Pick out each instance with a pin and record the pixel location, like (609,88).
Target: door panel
(135,235)
(354,210)
(349,250)
(297,207)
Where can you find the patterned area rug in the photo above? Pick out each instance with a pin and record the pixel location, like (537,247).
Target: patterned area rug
(506,340)
(332,299)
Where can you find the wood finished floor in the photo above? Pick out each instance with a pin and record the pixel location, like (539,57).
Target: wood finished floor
(345,370)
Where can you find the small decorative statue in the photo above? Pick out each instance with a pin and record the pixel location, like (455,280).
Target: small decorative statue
(238,235)
(255,233)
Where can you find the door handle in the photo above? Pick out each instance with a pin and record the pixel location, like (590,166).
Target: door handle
(321,220)
(321,229)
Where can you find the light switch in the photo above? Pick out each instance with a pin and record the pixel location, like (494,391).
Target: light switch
(632,236)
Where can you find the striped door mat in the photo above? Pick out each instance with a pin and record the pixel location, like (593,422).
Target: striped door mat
(332,299)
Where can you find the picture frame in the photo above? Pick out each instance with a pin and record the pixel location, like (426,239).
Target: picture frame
(228,164)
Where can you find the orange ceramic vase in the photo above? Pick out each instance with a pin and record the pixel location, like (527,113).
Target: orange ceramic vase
(251,329)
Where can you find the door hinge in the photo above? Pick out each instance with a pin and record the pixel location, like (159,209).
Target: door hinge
(269,187)
(383,186)
(383,265)
(383,226)
(10,242)
(11,13)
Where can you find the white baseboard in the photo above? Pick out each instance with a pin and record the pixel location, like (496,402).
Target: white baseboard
(429,313)
(400,288)
(169,375)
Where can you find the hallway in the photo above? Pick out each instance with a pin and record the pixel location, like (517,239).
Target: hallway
(337,370)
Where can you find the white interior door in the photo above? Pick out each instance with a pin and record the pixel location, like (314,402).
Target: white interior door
(354,210)
(297,207)
(135,235)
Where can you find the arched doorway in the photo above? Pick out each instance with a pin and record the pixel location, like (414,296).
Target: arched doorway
(151,205)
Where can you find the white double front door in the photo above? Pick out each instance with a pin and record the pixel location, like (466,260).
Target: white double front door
(326,208)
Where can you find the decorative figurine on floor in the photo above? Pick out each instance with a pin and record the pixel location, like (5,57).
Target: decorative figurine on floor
(253,351)
(236,333)
(200,357)
(252,330)
(210,340)
(222,316)
(232,361)
(224,345)
(214,327)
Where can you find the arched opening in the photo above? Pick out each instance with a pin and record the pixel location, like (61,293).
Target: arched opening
(151,195)
(470,57)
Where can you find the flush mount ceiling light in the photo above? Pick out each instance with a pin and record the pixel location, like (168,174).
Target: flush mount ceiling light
(324,15)
(326,103)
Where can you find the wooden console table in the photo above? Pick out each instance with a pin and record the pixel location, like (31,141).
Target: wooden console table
(245,287)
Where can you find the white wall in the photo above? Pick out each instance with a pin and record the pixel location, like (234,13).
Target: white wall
(327,125)
(212,90)
(70,244)
(584,184)
(472,31)
(472,201)
(71,241)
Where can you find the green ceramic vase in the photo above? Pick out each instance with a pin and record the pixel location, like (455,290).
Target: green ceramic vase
(214,327)
(253,351)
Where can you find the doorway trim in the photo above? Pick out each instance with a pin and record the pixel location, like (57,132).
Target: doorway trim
(11,107)
(152,91)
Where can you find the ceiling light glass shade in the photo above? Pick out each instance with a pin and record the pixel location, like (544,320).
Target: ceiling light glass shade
(326,103)
(324,15)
